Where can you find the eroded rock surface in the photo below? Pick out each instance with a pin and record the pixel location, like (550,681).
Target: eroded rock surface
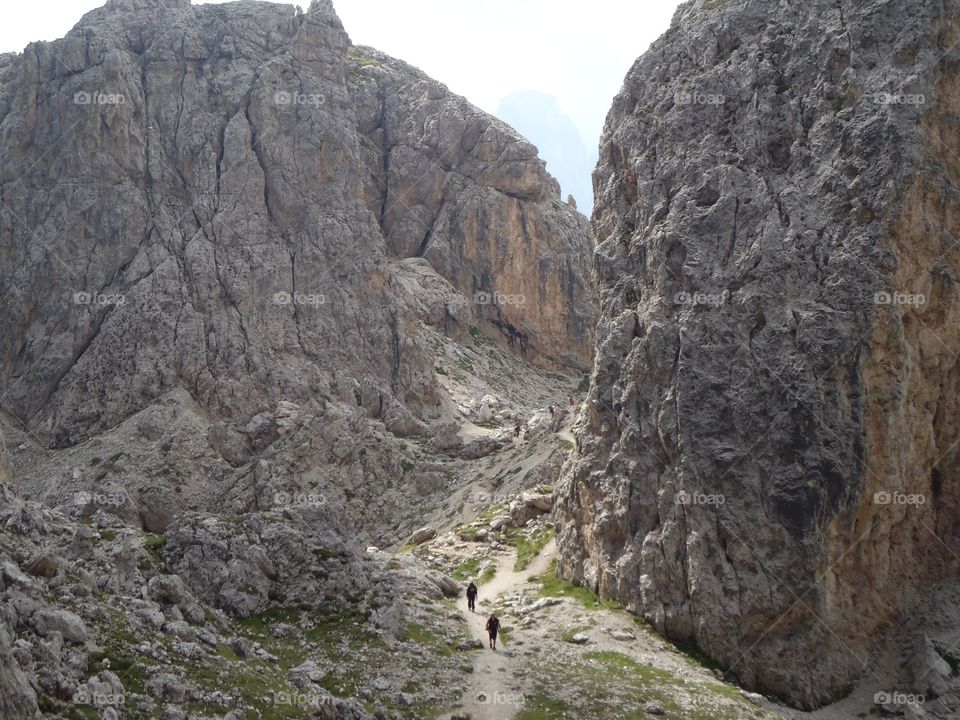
(220,199)
(767,464)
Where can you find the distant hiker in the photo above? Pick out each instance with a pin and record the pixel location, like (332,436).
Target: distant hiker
(472,597)
(516,428)
(571,401)
(493,628)
(551,410)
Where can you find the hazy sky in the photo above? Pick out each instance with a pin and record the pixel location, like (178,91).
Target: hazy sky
(578,51)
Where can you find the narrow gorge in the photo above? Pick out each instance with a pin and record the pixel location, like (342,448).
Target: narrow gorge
(297,342)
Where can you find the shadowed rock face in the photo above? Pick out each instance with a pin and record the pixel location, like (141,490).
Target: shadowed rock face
(217,198)
(767,465)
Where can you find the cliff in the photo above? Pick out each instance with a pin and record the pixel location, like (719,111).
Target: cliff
(767,464)
(225,199)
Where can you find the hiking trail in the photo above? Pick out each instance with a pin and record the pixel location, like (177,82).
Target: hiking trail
(494,691)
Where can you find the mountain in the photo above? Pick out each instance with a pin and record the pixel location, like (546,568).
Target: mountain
(213,194)
(768,465)
(538,116)
(272,300)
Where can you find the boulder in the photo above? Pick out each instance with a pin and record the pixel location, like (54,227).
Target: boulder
(528,506)
(421,535)
(448,586)
(47,621)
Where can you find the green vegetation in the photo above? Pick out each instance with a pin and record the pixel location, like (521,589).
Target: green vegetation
(584,384)
(478,337)
(467,569)
(154,544)
(568,634)
(419,633)
(360,59)
(607,684)
(529,548)
(470,570)
(468,533)
(406,465)
(553,586)
(541,707)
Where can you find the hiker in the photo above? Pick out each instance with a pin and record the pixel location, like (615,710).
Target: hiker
(516,428)
(472,597)
(551,410)
(571,401)
(493,628)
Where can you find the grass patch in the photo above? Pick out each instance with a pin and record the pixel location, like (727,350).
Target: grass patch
(541,707)
(154,544)
(491,512)
(553,586)
(421,634)
(467,569)
(567,635)
(528,548)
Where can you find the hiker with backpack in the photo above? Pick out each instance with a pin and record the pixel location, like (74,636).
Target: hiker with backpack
(472,597)
(493,629)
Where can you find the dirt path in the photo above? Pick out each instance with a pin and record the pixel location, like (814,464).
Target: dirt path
(494,688)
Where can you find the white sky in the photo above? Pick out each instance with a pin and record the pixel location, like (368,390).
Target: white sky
(577,50)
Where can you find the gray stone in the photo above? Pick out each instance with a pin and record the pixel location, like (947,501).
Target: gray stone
(17,697)
(47,621)
(764,238)
(931,673)
(422,535)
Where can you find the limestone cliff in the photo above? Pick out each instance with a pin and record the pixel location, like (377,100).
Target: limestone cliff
(220,199)
(767,466)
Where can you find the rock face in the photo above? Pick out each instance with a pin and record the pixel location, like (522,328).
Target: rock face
(6,470)
(223,199)
(767,465)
